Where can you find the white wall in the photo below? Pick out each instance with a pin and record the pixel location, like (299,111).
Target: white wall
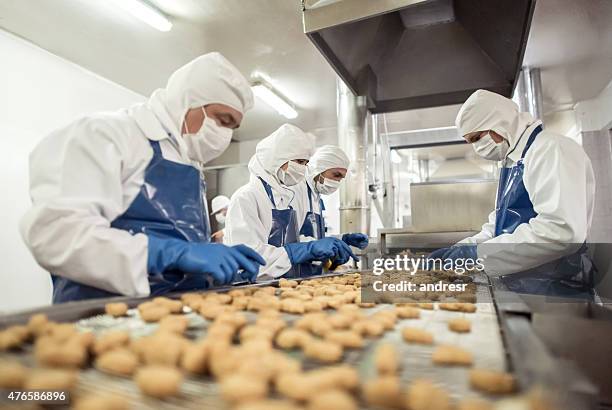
(38,92)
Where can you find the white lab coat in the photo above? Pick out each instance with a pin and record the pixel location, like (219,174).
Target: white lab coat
(249,216)
(559,179)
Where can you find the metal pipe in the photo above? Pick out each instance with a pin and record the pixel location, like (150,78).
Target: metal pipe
(352,138)
(528,94)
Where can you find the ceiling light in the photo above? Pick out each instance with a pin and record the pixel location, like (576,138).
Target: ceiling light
(395,157)
(146,13)
(274,99)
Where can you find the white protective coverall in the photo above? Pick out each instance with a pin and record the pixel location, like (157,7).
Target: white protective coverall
(249,216)
(86,174)
(324,158)
(558,177)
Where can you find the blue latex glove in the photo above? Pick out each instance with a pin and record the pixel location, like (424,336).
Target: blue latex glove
(358,240)
(319,250)
(217,260)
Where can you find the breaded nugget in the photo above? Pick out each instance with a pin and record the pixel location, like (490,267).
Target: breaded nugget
(415,335)
(239,388)
(323,351)
(384,392)
(116,309)
(122,362)
(332,400)
(424,395)
(386,359)
(452,355)
(491,381)
(159,381)
(460,325)
(12,375)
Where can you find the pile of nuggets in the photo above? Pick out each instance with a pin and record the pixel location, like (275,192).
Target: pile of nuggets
(250,358)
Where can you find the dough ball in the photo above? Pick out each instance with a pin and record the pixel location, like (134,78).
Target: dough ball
(368,328)
(287,283)
(346,338)
(323,351)
(292,305)
(174,306)
(313,306)
(491,381)
(159,381)
(239,388)
(52,353)
(122,362)
(111,340)
(292,338)
(460,325)
(384,392)
(452,355)
(407,312)
(60,331)
(415,335)
(386,359)
(174,323)
(332,400)
(424,395)
(12,375)
(163,349)
(116,309)
(51,379)
(154,313)
(102,402)
(195,358)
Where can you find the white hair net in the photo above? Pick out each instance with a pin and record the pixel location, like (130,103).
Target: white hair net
(327,157)
(209,79)
(285,144)
(485,110)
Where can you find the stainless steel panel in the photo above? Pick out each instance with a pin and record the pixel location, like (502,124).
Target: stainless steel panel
(452,206)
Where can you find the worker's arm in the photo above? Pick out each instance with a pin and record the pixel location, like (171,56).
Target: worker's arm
(559,180)
(76,187)
(244,226)
(486,232)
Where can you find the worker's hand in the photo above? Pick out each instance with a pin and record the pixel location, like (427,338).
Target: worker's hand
(217,260)
(451,254)
(319,250)
(343,253)
(217,236)
(358,240)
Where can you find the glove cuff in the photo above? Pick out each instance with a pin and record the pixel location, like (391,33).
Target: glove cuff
(163,254)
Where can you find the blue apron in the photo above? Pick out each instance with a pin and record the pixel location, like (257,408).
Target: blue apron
(170,204)
(284,228)
(313,227)
(567,276)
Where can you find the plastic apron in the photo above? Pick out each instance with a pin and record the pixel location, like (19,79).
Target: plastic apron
(170,204)
(569,276)
(313,227)
(284,229)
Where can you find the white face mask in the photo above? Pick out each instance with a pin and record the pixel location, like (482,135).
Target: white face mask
(220,218)
(209,142)
(329,186)
(489,149)
(294,174)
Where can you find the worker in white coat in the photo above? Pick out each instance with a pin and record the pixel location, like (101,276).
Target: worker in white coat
(262,215)
(219,206)
(535,238)
(326,170)
(118,200)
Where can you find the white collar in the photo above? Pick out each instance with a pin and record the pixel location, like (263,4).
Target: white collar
(515,153)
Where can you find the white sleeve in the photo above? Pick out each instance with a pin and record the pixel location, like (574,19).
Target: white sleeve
(244,225)
(556,177)
(486,232)
(76,189)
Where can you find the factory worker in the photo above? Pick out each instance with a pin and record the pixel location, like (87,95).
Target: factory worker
(535,238)
(118,200)
(219,206)
(326,170)
(262,215)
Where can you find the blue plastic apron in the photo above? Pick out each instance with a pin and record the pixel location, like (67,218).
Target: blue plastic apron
(170,204)
(564,277)
(284,228)
(313,227)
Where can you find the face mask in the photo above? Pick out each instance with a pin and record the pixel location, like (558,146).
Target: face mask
(329,186)
(209,142)
(489,149)
(220,218)
(293,175)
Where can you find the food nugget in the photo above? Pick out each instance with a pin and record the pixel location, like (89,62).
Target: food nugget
(163,349)
(111,340)
(50,352)
(386,359)
(292,338)
(323,351)
(332,400)
(47,379)
(12,375)
(122,362)
(174,323)
(37,323)
(291,305)
(385,392)
(408,312)
(154,313)
(424,395)
(116,309)
(415,335)
(346,338)
(174,306)
(460,325)
(195,357)
(368,328)
(239,388)
(287,283)
(159,381)
(491,381)
(452,356)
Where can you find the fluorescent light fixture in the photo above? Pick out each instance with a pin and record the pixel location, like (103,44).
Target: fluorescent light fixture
(395,157)
(274,99)
(146,13)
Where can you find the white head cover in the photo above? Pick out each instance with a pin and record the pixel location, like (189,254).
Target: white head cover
(485,110)
(285,144)
(209,79)
(327,157)
(218,203)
